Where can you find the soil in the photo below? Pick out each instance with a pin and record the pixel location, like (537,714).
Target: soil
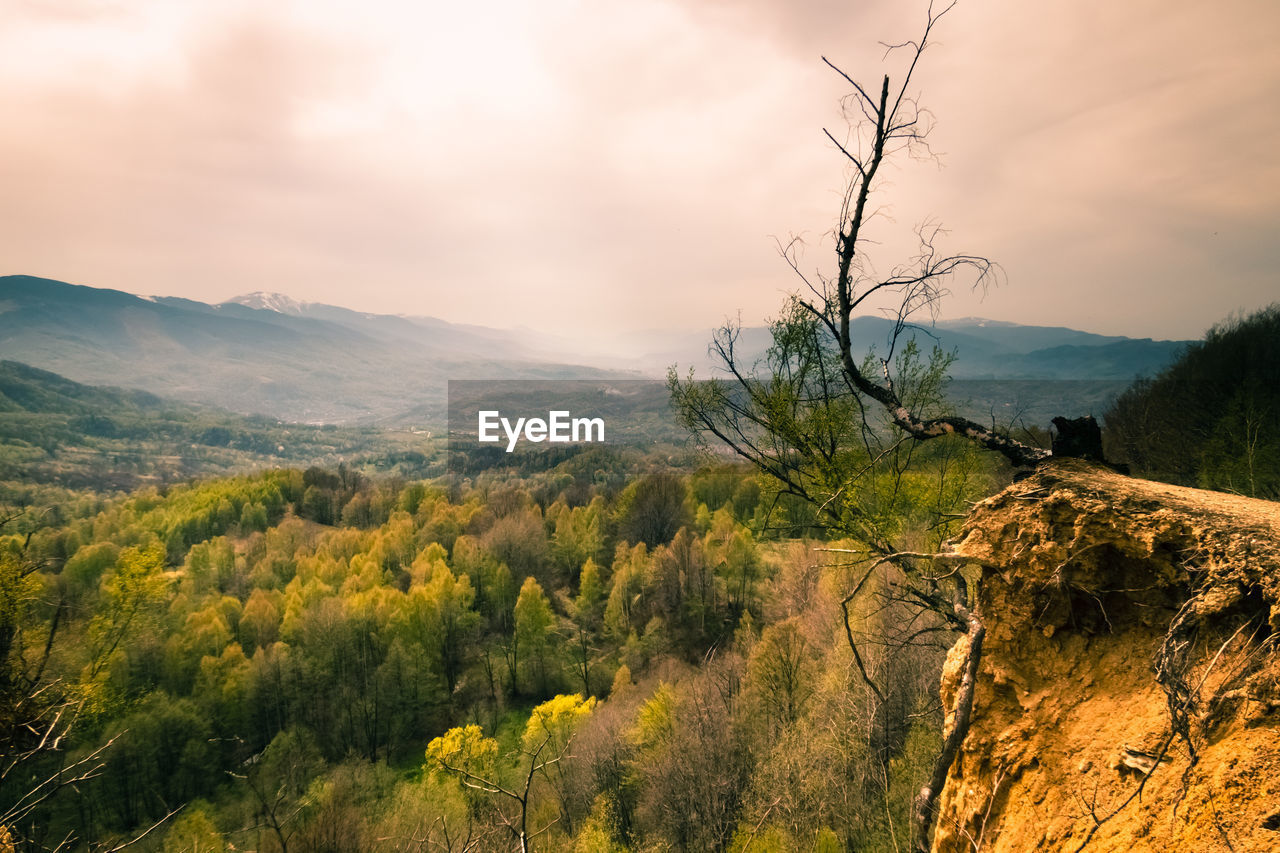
(1103,596)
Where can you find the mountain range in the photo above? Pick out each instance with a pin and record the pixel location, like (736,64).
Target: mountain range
(985,349)
(298,361)
(309,363)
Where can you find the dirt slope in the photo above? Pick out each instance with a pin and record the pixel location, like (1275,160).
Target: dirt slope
(1104,597)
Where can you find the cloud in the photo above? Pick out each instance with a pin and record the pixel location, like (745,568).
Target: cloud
(576,165)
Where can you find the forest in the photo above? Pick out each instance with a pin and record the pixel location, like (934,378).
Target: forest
(317,660)
(623,650)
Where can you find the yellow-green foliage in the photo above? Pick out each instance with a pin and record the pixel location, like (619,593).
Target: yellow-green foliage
(131,593)
(288,655)
(600,830)
(533,622)
(621,680)
(762,839)
(193,832)
(827,841)
(578,536)
(19,587)
(591,590)
(656,722)
(553,723)
(780,673)
(464,749)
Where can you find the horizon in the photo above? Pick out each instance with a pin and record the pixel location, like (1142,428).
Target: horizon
(587,164)
(940,321)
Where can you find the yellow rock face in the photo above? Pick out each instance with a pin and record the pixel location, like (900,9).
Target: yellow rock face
(1083,574)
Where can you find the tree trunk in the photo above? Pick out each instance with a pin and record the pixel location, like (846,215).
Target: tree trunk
(924,810)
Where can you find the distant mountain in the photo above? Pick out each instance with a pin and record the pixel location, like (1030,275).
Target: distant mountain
(1019,338)
(300,361)
(308,363)
(438,335)
(278,302)
(985,349)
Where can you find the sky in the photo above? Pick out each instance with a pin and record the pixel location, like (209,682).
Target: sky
(592,168)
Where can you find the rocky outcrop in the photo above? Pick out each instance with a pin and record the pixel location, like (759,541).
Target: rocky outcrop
(1128,696)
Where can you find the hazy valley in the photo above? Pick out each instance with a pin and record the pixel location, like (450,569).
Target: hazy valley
(310,363)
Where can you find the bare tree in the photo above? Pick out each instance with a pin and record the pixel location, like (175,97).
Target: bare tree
(884,123)
(842,428)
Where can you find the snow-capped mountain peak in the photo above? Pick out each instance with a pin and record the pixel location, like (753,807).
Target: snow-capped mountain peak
(278,302)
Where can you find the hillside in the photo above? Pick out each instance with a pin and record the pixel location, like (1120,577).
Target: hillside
(1109,601)
(54,430)
(28,389)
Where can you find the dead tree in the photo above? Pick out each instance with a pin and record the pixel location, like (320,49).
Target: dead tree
(886,123)
(827,419)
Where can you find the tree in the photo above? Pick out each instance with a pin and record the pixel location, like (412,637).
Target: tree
(586,612)
(841,428)
(35,711)
(578,537)
(815,363)
(1209,419)
(551,729)
(38,708)
(440,617)
(779,672)
(533,621)
(193,832)
(466,755)
(278,778)
(652,509)
(690,762)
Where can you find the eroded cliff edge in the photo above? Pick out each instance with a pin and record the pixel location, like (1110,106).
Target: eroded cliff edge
(1131,625)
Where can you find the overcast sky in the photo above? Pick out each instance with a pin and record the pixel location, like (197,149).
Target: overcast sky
(565,164)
